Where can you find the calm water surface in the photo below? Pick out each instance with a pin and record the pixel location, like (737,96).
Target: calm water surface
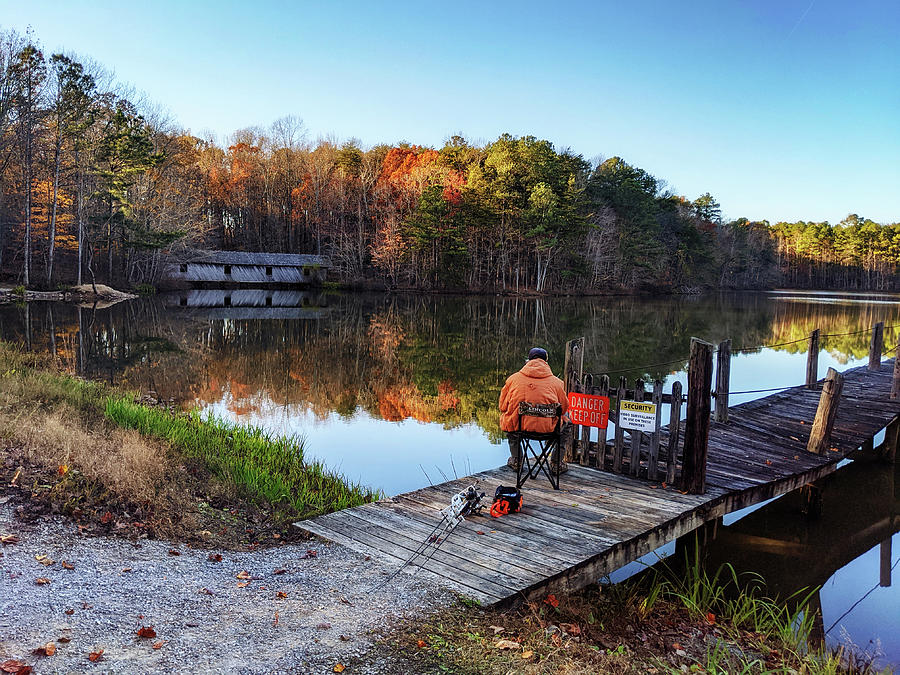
(396,391)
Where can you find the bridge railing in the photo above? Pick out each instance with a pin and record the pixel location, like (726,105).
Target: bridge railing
(674,450)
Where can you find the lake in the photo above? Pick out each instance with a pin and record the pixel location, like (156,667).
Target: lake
(396,391)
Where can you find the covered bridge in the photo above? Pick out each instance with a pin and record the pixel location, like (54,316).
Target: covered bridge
(248,268)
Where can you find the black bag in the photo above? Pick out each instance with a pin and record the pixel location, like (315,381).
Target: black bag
(506,500)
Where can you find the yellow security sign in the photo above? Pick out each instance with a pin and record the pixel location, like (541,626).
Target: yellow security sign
(638,416)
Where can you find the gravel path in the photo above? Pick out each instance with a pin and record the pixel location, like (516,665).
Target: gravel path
(204,619)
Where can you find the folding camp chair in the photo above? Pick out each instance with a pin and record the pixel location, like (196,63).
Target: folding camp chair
(539,457)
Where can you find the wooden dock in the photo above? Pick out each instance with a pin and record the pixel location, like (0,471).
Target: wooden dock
(599,521)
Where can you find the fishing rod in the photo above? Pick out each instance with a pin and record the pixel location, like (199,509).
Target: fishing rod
(464,503)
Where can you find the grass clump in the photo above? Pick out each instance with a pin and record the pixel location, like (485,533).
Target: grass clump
(273,468)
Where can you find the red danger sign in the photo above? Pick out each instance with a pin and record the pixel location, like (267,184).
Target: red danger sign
(589,410)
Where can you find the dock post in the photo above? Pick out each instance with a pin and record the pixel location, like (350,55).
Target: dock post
(572,369)
(696,426)
(723,378)
(674,433)
(820,435)
(811,501)
(885,577)
(876,346)
(812,360)
(574,362)
(895,381)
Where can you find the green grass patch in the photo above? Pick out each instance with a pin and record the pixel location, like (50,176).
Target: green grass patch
(267,467)
(271,467)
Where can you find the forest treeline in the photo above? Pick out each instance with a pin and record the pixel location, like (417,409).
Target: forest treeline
(97,185)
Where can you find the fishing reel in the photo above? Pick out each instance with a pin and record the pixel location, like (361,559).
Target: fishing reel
(464,503)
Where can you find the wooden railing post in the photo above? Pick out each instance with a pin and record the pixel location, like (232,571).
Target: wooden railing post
(876,346)
(572,370)
(619,446)
(574,362)
(820,435)
(634,466)
(653,455)
(812,360)
(674,432)
(723,379)
(884,578)
(600,457)
(696,428)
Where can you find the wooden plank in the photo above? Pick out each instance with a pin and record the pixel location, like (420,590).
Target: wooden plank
(634,465)
(674,433)
(600,457)
(653,452)
(619,446)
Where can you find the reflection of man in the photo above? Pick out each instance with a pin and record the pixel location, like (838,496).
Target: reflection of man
(534,383)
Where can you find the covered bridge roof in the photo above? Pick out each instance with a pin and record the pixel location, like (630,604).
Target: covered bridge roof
(253,258)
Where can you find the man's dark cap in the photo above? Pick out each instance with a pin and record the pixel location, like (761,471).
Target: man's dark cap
(537,353)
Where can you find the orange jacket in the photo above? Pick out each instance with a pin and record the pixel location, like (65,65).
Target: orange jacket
(535,383)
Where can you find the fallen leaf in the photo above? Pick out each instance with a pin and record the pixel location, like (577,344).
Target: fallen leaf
(160,644)
(281,595)
(106,517)
(506,644)
(324,626)
(63,640)
(95,656)
(570,628)
(345,638)
(479,532)
(551,600)
(497,629)
(8,539)
(796,456)
(17,476)
(85,605)
(126,569)
(174,551)
(421,644)
(62,470)
(12,666)
(339,667)
(280,570)
(48,649)
(675,645)
(664,484)
(346,601)
(70,611)
(243,574)
(243,584)
(654,487)
(769,462)
(214,557)
(146,632)
(40,581)
(205,591)
(710,617)
(310,553)
(527,654)
(45,560)
(67,565)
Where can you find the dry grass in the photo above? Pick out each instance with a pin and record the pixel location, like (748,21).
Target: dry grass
(131,466)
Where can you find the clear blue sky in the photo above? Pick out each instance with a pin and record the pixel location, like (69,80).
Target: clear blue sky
(782,109)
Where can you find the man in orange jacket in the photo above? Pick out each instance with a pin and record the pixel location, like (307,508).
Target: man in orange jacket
(534,383)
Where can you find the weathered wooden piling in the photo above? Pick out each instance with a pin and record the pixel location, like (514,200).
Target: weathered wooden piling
(823,423)
(812,360)
(696,426)
(876,346)
(723,379)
